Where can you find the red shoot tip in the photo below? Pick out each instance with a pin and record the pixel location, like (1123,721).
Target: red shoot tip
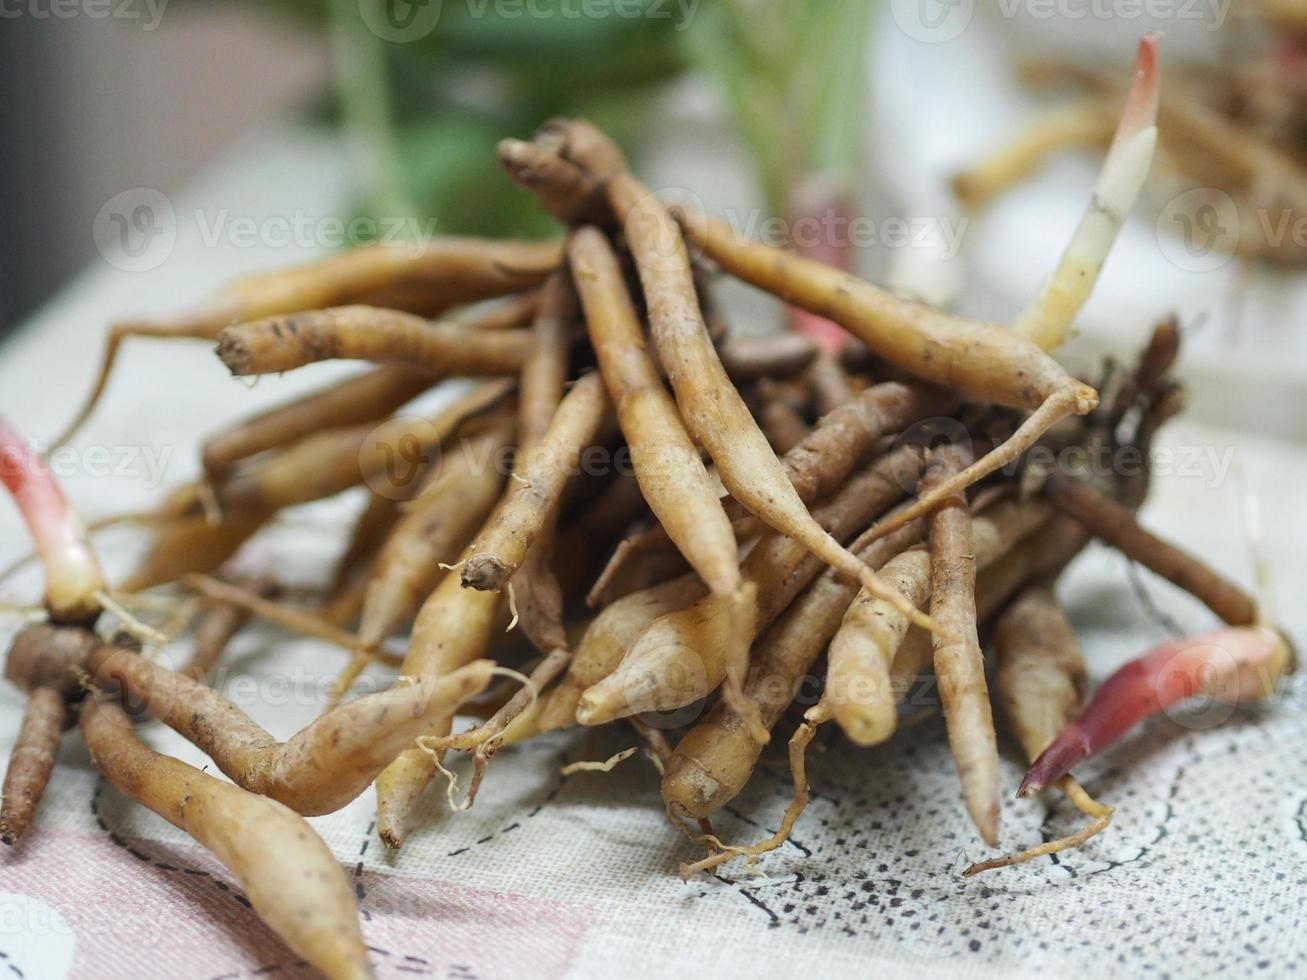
(71,571)
(1231,665)
(820,217)
(1145,87)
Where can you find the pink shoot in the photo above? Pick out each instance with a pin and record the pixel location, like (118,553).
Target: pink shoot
(819,229)
(1140,110)
(72,574)
(1231,665)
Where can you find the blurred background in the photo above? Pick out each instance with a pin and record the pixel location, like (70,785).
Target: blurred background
(188,142)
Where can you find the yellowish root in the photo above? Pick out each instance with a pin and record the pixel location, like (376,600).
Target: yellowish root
(137,629)
(608,765)
(799,742)
(1100,814)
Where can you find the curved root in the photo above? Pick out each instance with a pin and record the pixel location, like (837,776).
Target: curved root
(1100,814)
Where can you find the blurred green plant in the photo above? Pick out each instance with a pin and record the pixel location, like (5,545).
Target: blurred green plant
(794,74)
(423,117)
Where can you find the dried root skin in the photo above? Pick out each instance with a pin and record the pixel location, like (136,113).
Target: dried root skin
(367,333)
(798,746)
(41,655)
(319,769)
(783,425)
(981,361)
(683,656)
(400,786)
(370,528)
(434,529)
(566,191)
(678,659)
(398,455)
(190,545)
(862,652)
(1040,679)
(1116,524)
(445,272)
(842,440)
(606,641)
(713,410)
(351,745)
(748,359)
(538,485)
(290,876)
(368,397)
(1040,682)
(858,686)
(666,460)
(538,595)
(714,760)
(427,279)
(1076,398)
(960,664)
(452,629)
(31,762)
(320,465)
(219,624)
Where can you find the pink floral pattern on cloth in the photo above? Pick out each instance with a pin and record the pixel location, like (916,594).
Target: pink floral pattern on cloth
(111,907)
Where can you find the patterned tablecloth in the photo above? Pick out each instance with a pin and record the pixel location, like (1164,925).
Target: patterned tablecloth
(1203,873)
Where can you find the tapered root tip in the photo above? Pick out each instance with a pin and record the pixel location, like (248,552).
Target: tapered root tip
(869,724)
(485,573)
(234,352)
(514,155)
(1029,787)
(1141,101)
(508,149)
(1054,762)
(691,791)
(598,707)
